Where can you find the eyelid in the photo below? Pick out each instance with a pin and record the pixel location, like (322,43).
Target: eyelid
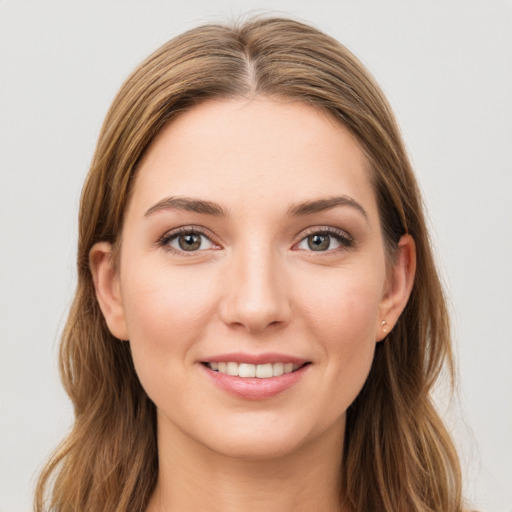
(341,235)
(164,240)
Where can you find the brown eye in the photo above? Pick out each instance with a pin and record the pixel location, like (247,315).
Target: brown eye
(329,240)
(189,242)
(319,242)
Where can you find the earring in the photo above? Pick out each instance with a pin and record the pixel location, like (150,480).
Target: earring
(384,323)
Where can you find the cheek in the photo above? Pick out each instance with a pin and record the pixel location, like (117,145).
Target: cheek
(165,314)
(346,307)
(343,322)
(157,299)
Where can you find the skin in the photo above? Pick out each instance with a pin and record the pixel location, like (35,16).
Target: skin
(255,286)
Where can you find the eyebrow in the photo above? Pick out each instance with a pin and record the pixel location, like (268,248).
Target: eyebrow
(187,204)
(320,205)
(296,210)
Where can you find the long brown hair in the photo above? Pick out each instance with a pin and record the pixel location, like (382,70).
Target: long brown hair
(398,455)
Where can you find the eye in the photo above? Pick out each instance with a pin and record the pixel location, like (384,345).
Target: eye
(186,240)
(325,240)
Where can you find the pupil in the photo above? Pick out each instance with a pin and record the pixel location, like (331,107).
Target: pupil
(190,242)
(318,242)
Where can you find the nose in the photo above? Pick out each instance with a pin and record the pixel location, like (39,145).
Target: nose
(256,296)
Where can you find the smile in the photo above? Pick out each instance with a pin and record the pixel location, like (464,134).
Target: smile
(247,370)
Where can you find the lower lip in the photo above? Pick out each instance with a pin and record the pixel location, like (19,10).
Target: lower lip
(252,388)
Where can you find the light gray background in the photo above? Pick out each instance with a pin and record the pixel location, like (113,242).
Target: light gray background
(447,69)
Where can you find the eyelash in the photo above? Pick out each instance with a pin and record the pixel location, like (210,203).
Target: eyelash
(339,235)
(168,237)
(345,240)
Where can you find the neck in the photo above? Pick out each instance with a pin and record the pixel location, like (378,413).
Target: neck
(191,475)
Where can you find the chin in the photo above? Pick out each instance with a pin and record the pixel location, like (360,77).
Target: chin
(260,446)
(267,438)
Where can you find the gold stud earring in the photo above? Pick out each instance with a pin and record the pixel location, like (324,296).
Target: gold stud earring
(384,323)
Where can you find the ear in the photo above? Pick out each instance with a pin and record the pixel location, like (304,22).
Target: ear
(106,284)
(398,286)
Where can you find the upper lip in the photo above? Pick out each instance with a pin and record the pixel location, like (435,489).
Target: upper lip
(239,357)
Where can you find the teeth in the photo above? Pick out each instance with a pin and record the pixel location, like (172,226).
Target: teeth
(246,370)
(278,369)
(264,371)
(232,369)
(261,371)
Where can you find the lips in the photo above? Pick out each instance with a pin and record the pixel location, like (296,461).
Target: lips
(255,377)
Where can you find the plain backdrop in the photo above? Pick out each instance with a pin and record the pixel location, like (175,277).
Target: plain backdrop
(446,67)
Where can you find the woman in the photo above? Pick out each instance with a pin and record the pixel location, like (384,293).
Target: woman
(258,320)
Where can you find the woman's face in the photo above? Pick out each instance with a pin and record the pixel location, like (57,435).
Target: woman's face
(251,245)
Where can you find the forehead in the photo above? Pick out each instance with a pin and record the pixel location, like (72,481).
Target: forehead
(262,153)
